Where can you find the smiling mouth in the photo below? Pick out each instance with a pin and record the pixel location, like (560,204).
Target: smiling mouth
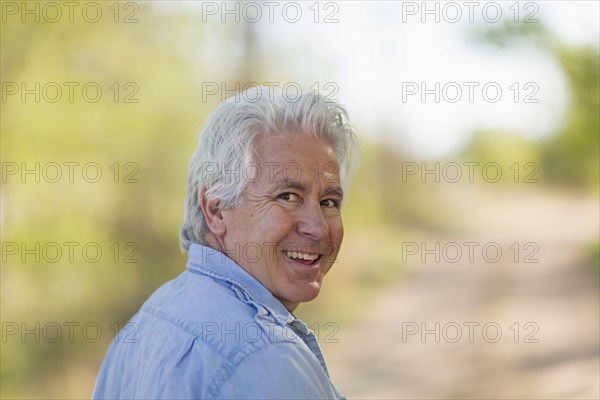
(302,258)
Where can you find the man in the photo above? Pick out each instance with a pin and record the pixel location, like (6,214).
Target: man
(262,227)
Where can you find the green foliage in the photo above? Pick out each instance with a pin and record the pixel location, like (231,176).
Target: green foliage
(149,140)
(517,157)
(509,34)
(571,157)
(383,194)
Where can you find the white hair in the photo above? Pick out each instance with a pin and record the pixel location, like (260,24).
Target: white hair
(226,143)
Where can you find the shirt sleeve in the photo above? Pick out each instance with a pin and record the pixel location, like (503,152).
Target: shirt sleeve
(278,371)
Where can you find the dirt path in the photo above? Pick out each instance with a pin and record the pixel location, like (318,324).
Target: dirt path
(505,330)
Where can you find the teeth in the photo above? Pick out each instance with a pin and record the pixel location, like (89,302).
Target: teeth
(301,256)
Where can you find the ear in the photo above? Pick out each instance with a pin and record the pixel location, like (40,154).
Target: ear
(212,215)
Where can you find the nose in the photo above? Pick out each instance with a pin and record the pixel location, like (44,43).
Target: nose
(311,222)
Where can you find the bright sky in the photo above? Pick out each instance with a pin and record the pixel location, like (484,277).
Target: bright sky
(376,59)
(380,57)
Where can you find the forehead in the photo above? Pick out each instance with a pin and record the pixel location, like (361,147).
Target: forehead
(290,151)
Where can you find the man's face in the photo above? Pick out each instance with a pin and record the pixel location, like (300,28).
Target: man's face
(288,231)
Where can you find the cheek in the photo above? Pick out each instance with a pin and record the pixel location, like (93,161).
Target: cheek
(336,234)
(273,226)
(336,227)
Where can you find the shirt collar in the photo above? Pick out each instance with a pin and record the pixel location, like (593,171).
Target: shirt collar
(208,261)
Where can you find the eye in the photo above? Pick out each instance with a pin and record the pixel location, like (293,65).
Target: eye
(288,196)
(330,203)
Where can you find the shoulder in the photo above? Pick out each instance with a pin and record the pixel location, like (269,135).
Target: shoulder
(211,310)
(279,370)
(192,336)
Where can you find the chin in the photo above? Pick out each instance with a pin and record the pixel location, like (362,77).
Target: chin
(304,292)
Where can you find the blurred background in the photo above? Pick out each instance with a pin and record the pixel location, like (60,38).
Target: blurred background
(470,266)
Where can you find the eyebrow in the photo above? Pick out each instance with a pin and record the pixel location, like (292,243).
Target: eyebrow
(299,186)
(290,184)
(334,190)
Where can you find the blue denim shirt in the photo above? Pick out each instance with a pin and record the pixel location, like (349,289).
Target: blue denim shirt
(214,332)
